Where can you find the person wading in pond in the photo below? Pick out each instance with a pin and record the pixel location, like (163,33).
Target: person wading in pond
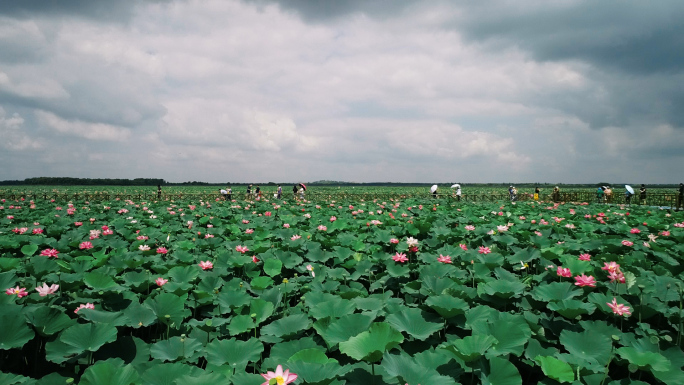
(680,198)
(280,192)
(556,194)
(609,194)
(294,191)
(249,192)
(599,194)
(536,193)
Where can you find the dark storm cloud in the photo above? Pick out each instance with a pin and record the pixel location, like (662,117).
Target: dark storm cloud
(104,10)
(324,10)
(635,53)
(638,37)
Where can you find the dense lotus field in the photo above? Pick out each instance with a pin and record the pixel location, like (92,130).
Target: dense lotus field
(395,292)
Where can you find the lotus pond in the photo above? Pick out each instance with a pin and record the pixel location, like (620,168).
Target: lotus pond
(393,292)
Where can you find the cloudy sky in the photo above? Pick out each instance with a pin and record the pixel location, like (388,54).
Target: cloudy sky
(305,90)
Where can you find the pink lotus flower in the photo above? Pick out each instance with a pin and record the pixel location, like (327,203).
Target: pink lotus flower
(610,267)
(86,306)
(484,250)
(161,281)
(295,237)
(242,249)
(627,243)
(50,253)
(563,272)
(322,228)
(280,377)
(522,218)
(539,234)
(585,257)
(618,309)
(206,265)
(394,241)
(469,227)
(37,230)
(463,247)
(85,246)
(400,257)
(286,225)
(665,233)
(142,237)
(583,280)
(45,289)
(244,221)
(502,229)
(617,276)
(143,248)
(311,269)
(162,250)
(20,292)
(635,231)
(333,218)
(78,224)
(267,214)
(444,258)
(249,231)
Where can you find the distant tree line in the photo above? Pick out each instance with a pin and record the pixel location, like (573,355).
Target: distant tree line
(65,181)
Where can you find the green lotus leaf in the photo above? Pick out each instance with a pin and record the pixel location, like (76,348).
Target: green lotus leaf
(263,309)
(471,348)
(175,348)
(169,373)
(413,322)
(49,321)
(240,324)
(322,305)
(589,345)
(183,274)
(396,269)
(261,283)
(287,326)
(12,379)
(675,375)
(99,281)
(115,318)
(58,352)
(501,372)
(111,372)
(272,267)
(447,306)
(15,332)
(503,289)
(407,370)
(511,331)
(210,284)
(313,355)
(169,308)
(343,328)
(555,291)
(651,360)
(234,352)
(203,379)
(556,369)
(231,299)
(29,250)
(137,315)
(244,378)
(315,372)
(571,308)
(88,337)
(371,345)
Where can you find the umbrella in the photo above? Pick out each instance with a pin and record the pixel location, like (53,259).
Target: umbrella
(456,185)
(433,188)
(303,186)
(629,188)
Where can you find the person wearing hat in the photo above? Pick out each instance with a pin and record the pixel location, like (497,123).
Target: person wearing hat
(556,194)
(642,194)
(536,193)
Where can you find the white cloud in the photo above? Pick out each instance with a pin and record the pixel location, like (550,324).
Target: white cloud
(13,134)
(92,131)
